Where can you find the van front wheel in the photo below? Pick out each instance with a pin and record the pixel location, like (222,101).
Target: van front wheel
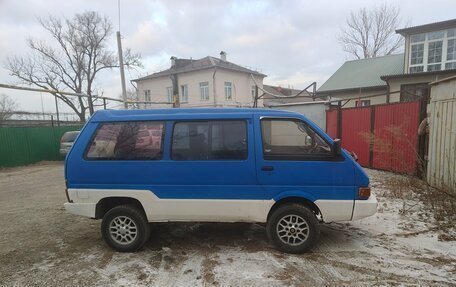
(125,228)
(293,228)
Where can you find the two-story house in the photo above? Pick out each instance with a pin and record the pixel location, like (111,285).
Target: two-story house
(429,55)
(206,82)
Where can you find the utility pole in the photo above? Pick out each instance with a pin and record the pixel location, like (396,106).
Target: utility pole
(57,110)
(176,100)
(122,72)
(255,104)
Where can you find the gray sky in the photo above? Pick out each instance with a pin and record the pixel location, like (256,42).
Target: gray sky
(293,42)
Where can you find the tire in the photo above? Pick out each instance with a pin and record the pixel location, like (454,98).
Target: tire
(293,228)
(125,228)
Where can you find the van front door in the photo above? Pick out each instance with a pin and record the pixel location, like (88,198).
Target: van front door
(293,160)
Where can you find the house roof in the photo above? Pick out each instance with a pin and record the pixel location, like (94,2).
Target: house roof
(410,75)
(363,73)
(189,65)
(284,95)
(427,27)
(281,91)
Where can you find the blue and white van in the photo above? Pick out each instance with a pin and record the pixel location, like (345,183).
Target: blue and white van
(132,167)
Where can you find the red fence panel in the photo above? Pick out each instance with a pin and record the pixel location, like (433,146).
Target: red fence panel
(395,130)
(331,123)
(356,126)
(396,137)
(383,142)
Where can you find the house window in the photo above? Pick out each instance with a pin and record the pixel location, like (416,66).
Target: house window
(127,141)
(363,103)
(433,51)
(204,91)
(434,56)
(451,50)
(414,92)
(184,93)
(210,140)
(253,92)
(228,91)
(416,69)
(417,54)
(169,93)
(147,95)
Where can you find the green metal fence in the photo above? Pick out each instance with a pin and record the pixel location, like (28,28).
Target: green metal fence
(26,145)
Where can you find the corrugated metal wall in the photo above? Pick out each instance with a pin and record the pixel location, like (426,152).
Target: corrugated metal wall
(356,126)
(26,145)
(396,137)
(331,123)
(395,134)
(441,168)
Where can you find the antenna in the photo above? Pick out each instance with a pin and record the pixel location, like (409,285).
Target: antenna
(121,64)
(118,7)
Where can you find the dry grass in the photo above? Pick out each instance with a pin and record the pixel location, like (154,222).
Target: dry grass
(442,201)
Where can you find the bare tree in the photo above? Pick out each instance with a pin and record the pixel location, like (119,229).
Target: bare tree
(132,95)
(371,33)
(7,107)
(72,64)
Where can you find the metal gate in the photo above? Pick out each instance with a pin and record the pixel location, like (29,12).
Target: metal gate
(383,136)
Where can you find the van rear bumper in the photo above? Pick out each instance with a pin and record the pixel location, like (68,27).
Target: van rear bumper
(365,208)
(84,209)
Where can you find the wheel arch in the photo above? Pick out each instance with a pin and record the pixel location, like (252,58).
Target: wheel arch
(296,199)
(107,203)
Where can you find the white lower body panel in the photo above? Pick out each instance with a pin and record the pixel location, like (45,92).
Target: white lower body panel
(162,210)
(365,208)
(335,209)
(211,210)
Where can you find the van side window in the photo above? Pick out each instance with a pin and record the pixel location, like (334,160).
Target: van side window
(211,140)
(290,139)
(127,141)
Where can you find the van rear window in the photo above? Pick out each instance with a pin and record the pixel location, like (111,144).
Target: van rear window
(127,141)
(211,140)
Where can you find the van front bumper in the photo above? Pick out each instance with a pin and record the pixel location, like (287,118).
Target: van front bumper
(365,208)
(84,209)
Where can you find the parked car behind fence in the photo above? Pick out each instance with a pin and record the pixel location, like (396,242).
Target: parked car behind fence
(66,142)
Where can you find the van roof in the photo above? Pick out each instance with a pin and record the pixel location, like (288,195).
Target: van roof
(108,115)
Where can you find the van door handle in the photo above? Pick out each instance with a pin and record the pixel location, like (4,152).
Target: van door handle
(267,168)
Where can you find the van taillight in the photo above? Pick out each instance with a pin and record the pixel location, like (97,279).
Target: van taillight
(364,192)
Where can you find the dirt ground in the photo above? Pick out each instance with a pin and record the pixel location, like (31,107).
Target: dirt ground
(42,245)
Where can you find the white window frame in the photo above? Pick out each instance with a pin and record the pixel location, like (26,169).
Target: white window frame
(169,93)
(426,43)
(204,91)
(147,96)
(446,48)
(184,93)
(228,91)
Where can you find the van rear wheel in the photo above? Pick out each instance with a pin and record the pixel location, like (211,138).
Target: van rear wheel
(293,228)
(125,228)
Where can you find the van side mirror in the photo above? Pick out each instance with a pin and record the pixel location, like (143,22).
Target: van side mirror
(336,148)
(308,141)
